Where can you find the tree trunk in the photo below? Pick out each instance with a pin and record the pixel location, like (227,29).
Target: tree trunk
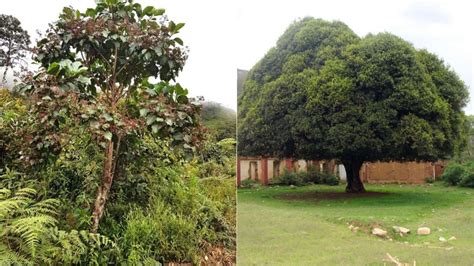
(354,183)
(4,79)
(104,189)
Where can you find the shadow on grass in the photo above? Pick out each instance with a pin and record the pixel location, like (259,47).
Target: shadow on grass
(389,197)
(328,195)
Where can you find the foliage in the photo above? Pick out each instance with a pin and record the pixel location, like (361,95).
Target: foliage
(93,80)
(179,220)
(91,115)
(217,158)
(452,174)
(221,191)
(312,176)
(249,183)
(219,120)
(457,174)
(290,179)
(30,236)
(325,93)
(467,179)
(13,117)
(14,42)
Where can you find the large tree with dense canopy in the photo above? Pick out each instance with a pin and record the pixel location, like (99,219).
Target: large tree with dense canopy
(324,93)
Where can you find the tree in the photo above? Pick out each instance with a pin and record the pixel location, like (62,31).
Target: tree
(14,42)
(95,79)
(332,95)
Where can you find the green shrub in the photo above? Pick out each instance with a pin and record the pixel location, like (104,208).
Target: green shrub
(161,234)
(222,192)
(312,176)
(467,178)
(291,179)
(329,179)
(429,180)
(452,174)
(249,183)
(182,216)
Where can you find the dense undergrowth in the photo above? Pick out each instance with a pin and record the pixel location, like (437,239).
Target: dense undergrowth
(163,206)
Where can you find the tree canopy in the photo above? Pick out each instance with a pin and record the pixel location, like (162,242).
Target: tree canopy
(324,93)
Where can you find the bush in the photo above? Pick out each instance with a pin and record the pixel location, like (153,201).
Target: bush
(184,214)
(330,180)
(312,176)
(467,178)
(289,179)
(249,183)
(452,174)
(161,234)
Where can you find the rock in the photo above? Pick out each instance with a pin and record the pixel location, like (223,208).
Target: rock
(423,231)
(452,238)
(442,239)
(400,229)
(379,232)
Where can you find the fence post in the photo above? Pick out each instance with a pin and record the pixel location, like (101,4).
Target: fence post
(264,163)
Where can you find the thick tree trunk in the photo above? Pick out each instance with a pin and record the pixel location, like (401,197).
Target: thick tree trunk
(354,183)
(104,189)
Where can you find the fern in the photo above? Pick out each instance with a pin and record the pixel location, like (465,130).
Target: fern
(29,234)
(9,257)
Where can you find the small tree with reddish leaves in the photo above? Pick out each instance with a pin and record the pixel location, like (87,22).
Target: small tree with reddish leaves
(95,79)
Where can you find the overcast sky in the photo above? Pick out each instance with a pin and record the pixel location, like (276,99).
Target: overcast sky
(442,27)
(211,68)
(225,35)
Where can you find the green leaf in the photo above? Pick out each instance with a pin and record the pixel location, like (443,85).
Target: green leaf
(172,26)
(108,135)
(155,128)
(179,26)
(108,117)
(144,112)
(90,12)
(151,92)
(159,12)
(53,69)
(84,80)
(149,11)
(150,119)
(179,41)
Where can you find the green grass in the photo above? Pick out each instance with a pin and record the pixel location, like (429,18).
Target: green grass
(276,231)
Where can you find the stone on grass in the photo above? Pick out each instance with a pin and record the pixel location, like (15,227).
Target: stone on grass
(423,231)
(402,230)
(452,238)
(442,239)
(379,232)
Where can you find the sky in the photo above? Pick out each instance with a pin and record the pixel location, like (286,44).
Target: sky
(442,27)
(225,35)
(210,70)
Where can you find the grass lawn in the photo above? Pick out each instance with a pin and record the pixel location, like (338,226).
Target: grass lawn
(310,225)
